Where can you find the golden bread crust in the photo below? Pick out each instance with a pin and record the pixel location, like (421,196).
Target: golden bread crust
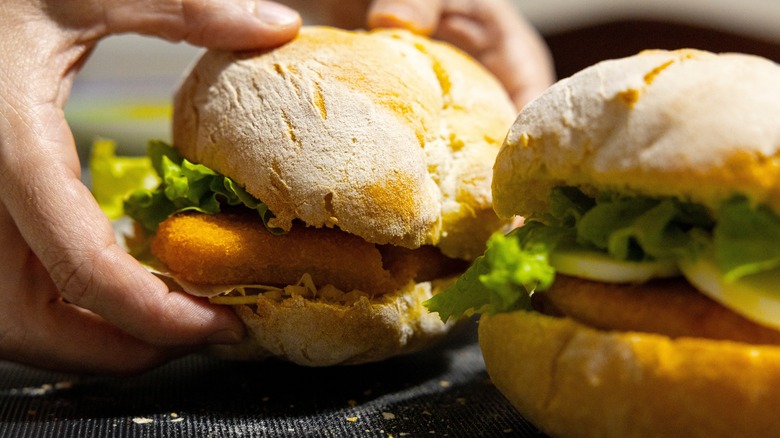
(683,123)
(387,135)
(574,381)
(326,331)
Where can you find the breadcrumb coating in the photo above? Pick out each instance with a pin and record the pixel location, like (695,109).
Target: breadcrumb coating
(236,248)
(670,307)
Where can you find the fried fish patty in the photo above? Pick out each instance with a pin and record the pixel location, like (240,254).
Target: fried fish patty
(671,307)
(235,248)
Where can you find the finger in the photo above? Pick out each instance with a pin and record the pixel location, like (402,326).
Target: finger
(501,39)
(527,67)
(69,339)
(418,16)
(38,328)
(235,24)
(63,337)
(77,340)
(523,62)
(63,225)
(221,24)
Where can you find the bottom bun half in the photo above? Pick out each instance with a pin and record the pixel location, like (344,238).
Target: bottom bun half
(339,328)
(575,381)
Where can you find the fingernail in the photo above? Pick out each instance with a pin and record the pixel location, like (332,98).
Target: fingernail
(224,337)
(275,14)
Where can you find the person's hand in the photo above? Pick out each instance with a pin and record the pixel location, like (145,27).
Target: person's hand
(492,31)
(70,298)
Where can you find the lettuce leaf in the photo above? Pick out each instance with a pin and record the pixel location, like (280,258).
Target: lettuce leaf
(176,185)
(517,265)
(745,240)
(624,227)
(187,186)
(513,266)
(641,228)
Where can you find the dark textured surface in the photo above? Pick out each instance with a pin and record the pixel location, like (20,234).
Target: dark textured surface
(441,392)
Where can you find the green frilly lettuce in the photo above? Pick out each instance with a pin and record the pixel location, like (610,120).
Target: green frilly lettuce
(502,279)
(627,228)
(747,240)
(121,186)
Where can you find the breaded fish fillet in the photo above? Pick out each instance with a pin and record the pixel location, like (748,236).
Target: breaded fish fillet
(235,248)
(669,307)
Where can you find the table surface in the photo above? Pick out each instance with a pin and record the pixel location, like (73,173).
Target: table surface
(444,391)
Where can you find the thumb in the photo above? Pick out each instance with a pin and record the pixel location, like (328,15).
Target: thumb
(219,24)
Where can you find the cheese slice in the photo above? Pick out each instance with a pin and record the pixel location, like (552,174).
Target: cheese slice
(597,266)
(756,296)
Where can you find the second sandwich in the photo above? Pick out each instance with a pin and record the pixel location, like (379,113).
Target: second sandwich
(642,295)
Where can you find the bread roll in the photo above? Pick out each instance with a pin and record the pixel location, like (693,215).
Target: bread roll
(686,123)
(339,328)
(386,135)
(575,381)
(692,125)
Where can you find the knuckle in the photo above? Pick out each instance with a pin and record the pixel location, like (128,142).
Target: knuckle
(75,278)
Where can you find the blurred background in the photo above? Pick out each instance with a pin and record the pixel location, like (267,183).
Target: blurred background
(124,91)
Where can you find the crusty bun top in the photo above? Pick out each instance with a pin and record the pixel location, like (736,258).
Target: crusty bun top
(681,123)
(385,134)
